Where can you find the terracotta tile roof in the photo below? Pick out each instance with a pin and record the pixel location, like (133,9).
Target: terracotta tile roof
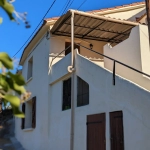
(54,18)
(117,7)
(102,10)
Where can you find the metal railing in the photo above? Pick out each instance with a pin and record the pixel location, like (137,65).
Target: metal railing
(114,61)
(59,54)
(114,64)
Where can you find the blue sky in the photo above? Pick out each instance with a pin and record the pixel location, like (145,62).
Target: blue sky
(13,36)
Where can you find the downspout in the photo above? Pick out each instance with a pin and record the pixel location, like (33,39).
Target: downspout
(72,84)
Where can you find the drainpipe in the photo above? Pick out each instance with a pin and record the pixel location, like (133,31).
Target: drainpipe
(72,84)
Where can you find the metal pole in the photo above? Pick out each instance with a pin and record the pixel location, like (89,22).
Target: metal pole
(114,70)
(72,84)
(148,16)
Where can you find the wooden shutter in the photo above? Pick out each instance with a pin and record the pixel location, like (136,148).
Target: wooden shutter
(33,112)
(96,132)
(116,130)
(23,119)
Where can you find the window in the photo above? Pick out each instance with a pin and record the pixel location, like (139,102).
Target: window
(30,68)
(29,109)
(82,92)
(66,94)
(69,49)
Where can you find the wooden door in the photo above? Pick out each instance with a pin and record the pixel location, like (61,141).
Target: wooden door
(116,130)
(69,49)
(96,132)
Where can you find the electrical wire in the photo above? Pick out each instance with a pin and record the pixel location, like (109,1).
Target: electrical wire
(81,4)
(61,12)
(35,29)
(71,3)
(66,7)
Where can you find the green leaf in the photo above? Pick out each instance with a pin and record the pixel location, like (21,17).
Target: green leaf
(1,20)
(17,78)
(19,89)
(17,112)
(8,8)
(14,86)
(6,60)
(14,100)
(3,83)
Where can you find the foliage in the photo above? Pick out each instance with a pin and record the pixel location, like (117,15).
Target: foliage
(10,83)
(8,8)
(12,14)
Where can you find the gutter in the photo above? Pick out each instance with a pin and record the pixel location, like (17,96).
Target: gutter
(103,17)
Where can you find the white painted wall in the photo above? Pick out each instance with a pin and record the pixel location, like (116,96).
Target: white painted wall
(57,44)
(128,15)
(53,125)
(38,85)
(134,52)
(59,121)
(104,97)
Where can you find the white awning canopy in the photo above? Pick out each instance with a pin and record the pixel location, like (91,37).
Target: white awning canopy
(93,27)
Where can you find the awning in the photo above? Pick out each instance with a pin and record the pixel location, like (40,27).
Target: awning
(93,27)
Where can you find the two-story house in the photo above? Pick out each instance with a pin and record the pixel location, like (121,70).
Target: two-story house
(88,73)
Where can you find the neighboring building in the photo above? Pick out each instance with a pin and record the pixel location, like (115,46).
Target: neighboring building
(111,103)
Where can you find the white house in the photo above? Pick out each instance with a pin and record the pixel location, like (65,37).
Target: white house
(96,97)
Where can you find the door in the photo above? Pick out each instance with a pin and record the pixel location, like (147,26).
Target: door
(96,132)
(69,49)
(116,130)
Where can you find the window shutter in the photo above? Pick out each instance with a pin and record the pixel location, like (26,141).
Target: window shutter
(96,132)
(33,112)
(23,119)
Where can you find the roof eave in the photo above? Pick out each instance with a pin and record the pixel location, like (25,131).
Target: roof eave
(115,10)
(36,38)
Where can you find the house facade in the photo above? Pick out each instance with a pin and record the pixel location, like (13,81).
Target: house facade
(96,96)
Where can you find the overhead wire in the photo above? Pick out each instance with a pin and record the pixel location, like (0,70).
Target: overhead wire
(35,29)
(68,4)
(66,7)
(62,10)
(81,4)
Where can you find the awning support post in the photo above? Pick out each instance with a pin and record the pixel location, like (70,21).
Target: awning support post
(72,84)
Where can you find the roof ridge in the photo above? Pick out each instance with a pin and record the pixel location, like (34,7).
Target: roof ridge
(101,10)
(116,7)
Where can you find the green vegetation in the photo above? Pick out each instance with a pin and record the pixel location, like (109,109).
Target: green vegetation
(11,84)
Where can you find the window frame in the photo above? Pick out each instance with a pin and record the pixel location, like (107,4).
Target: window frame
(30,69)
(63,94)
(29,122)
(82,92)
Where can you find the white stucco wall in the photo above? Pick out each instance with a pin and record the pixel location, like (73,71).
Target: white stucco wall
(38,86)
(53,125)
(134,52)
(144,47)
(104,97)
(57,44)
(59,121)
